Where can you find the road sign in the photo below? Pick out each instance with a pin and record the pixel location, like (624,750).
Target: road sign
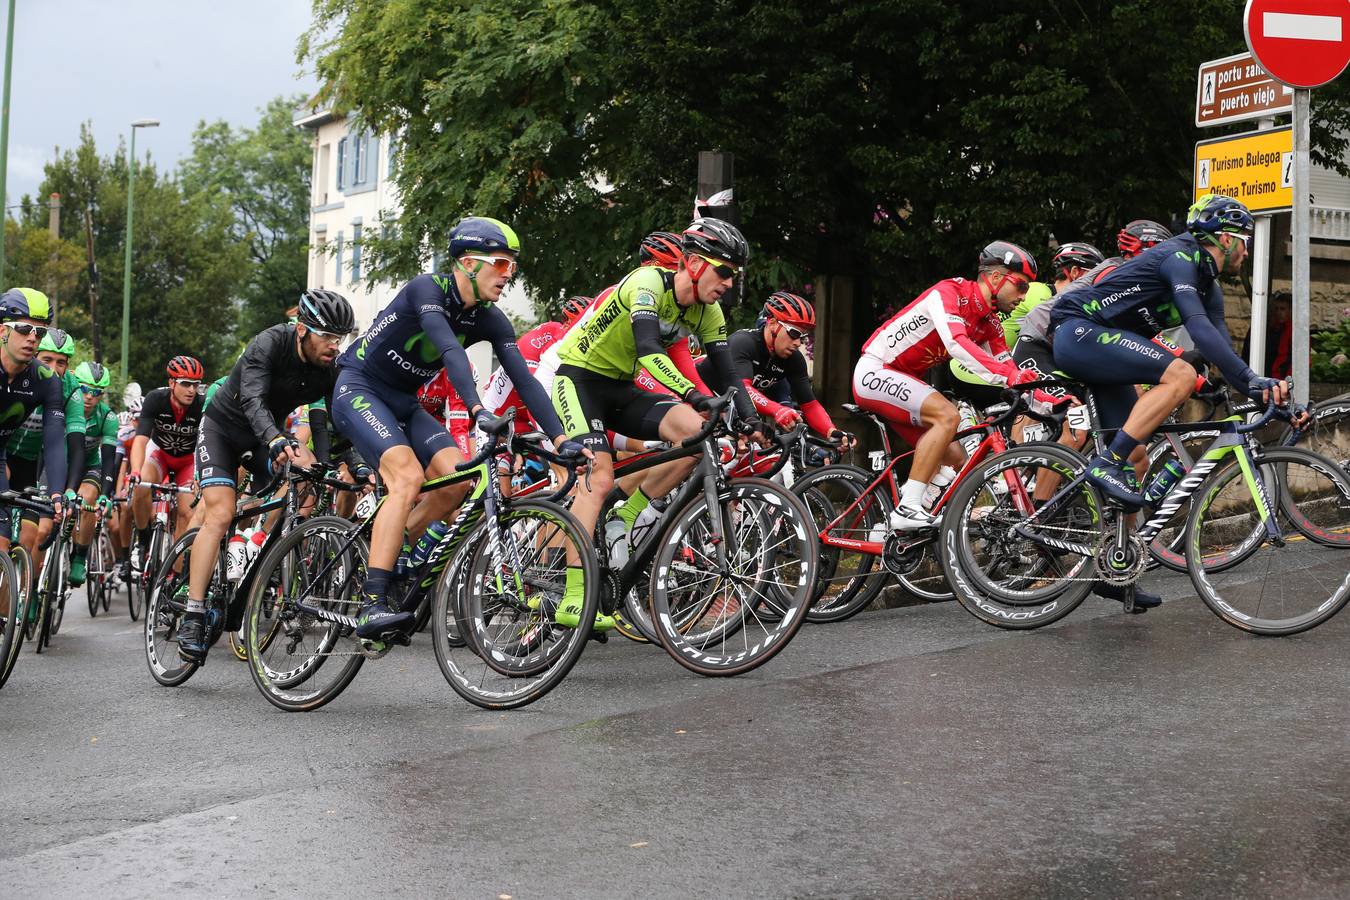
(1236,88)
(1303,43)
(1256,168)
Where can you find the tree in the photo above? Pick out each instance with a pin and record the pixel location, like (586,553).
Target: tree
(50,264)
(264,175)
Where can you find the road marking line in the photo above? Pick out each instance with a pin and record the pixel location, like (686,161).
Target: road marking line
(1297,27)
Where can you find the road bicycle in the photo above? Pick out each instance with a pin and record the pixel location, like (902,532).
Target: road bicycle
(102,577)
(19,621)
(164,500)
(1265,538)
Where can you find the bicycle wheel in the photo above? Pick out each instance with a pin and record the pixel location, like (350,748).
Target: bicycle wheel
(164,612)
(92,594)
(496,641)
(1169,547)
(58,574)
(1278,587)
(847,580)
(23,570)
(1329,433)
(101,573)
(1000,577)
(11,623)
(706,613)
(300,621)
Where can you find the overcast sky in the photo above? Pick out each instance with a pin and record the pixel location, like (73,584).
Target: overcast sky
(115,61)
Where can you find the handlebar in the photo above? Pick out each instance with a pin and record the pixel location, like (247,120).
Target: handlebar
(490,446)
(716,406)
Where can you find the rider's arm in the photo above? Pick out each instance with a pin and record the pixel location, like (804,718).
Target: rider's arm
(1199,317)
(497,329)
(429,301)
(318,431)
(799,383)
(723,372)
(951,328)
(74,460)
(684,362)
(54,433)
(255,382)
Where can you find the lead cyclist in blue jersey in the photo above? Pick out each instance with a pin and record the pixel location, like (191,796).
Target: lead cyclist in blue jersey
(425,329)
(1107,334)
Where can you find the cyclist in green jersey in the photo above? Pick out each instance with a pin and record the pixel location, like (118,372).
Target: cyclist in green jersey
(24,451)
(594,388)
(100,460)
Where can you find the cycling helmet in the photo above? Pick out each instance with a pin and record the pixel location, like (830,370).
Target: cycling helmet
(185,367)
(93,374)
(57,341)
(479,234)
(573,307)
(24,303)
(661,248)
(326,311)
(716,239)
(790,309)
(1140,235)
(1214,214)
(1011,257)
(1076,253)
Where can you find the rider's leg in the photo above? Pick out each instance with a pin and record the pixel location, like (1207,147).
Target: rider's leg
(153,474)
(84,533)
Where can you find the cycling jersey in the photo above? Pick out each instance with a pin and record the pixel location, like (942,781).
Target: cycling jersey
(172,428)
(761,371)
(500,393)
(100,433)
(1173,283)
(268,381)
(26,442)
(949,320)
(212,388)
(35,386)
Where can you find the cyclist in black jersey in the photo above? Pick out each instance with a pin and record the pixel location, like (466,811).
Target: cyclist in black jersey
(165,436)
(283,367)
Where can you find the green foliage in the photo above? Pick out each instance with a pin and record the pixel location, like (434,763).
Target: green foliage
(884,140)
(33,258)
(263,174)
(1330,359)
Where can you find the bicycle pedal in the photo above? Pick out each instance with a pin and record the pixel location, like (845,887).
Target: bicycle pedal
(600,637)
(398,637)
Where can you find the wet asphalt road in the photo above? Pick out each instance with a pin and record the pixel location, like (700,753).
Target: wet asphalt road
(914,752)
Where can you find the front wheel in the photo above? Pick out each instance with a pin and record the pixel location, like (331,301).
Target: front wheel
(164,613)
(12,609)
(718,571)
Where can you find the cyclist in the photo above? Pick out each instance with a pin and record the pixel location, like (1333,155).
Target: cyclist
(285,366)
(27,385)
(441,402)
(100,460)
(426,328)
(127,421)
(166,434)
(954,318)
(594,388)
(1104,334)
(770,355)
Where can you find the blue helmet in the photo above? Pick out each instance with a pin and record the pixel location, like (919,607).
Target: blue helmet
(1213,214)
(24,303)
(479,234)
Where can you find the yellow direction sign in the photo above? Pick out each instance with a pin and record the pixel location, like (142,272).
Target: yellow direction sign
(1256,168)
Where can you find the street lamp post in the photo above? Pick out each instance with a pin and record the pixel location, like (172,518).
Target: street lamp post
(126,271)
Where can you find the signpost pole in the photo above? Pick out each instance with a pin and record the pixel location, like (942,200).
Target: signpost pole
(1260,282)
(1302,226)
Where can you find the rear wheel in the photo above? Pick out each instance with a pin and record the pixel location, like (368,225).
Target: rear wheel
(11,618)
(847,580)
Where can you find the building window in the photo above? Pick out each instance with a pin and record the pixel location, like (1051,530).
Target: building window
(337,275)
(391,159)
(321,177)
(342,164)
(356,253)
(358,160)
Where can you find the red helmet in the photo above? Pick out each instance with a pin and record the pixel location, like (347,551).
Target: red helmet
(185,367)
(790,309)
(1140,235)
(661,248)
(573,307)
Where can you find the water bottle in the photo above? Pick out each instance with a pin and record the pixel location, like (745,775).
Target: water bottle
(428,541)
(256,541)
(1163,481)
(236,557)
(646,520)
(968,420)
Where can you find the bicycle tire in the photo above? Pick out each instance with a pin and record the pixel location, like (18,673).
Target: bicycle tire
(23,568)
(1279,575)
(11,629)
(508,652)
(865,576)
(57,572)
(768,512)
(960,532)
(283,575)
(162,618)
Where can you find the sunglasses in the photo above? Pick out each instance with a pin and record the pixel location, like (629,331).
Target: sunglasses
(1245,238)
(92,391)
(327,336)
(505,265)
(723,270)
(190,385)
(27,328)
(796,333)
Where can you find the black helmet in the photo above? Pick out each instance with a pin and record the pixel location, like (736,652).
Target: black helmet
(1139,235)
(1011,257)
(326,311)
(716,239)
(1076,253)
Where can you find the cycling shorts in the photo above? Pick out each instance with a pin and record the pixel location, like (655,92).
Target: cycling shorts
(894,395)
(23,473)
(172,469)
(588,403)
(221,451)
(94,477)
(1111,361)
(378,418)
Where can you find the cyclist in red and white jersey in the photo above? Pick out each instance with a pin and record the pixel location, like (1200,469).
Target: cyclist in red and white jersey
(956,319)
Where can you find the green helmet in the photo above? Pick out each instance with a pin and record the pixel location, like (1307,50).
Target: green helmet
(93,374)
(58,341)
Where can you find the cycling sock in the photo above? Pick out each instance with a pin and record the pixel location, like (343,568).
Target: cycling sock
(377,583)
(911,494)
(196,607)
(575,585)
(1122,445)
(79,551)
(631,508)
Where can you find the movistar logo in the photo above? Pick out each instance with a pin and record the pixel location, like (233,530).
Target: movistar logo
(1110,337)
(15,413)
(361,350)
(360,403)
(1092,307)
(426,350)
(442,282)
(1189,257)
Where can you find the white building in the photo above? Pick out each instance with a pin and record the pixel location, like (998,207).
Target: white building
(353,194)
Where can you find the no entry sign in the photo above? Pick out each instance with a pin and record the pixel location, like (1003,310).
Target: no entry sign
(1303,43)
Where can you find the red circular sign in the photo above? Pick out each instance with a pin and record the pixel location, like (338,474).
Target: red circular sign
(1303,43)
